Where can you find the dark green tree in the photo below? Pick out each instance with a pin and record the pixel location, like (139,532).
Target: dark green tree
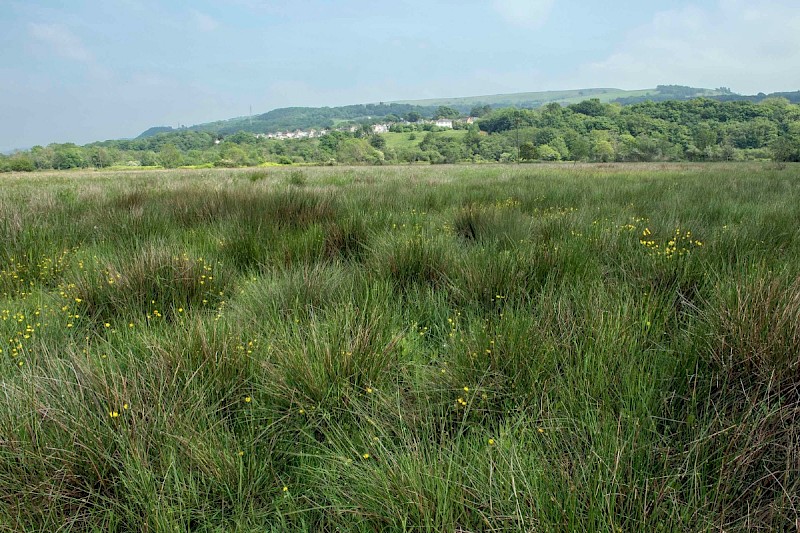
(480,111)
(527,151)
(785,148)
(446,112)
(20,162)
(170,156)
(67,156)
(378,142)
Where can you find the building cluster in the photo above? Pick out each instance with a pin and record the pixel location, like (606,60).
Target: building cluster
(297,134)
(376,129)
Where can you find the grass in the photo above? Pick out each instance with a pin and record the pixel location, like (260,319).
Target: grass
(494,348)
(403,141)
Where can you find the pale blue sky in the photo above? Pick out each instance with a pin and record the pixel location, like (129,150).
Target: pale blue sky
(88,70)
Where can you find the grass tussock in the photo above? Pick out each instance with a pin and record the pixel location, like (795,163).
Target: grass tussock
(753,400)
(493,348)
(154,284)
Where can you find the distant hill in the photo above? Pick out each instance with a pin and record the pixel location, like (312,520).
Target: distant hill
(155,130)
(306,118)
(538,99)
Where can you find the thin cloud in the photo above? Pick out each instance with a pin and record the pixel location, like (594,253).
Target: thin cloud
(204,22)
(525,13)
(61,41)
(749,49)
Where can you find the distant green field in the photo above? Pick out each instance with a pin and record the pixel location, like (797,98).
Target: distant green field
(411,348)
(401,141)
(539,98)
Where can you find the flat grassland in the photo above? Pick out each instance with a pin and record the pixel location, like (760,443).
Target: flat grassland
(485,348)
(403,141)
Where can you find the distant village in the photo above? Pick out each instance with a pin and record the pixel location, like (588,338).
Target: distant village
(376,129)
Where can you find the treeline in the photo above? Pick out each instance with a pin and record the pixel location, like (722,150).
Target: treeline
(692,130)
(304,118)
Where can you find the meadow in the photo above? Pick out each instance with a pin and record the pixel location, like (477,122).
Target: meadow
(408,141)
(451,348)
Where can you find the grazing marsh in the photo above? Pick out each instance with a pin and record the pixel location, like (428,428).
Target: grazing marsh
(464,348)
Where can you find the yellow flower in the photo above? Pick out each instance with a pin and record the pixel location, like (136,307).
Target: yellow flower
(125,406)
(491,442)
(369,390)
(540,430)
(365,456)
(466,389)
(247,399)
(107,325)
(113,414)
(241,453)
(285,489)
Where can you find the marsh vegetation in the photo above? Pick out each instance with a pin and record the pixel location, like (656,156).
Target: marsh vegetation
(493,348)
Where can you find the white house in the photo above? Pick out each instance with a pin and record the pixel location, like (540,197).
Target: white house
(444,123)
(380,128)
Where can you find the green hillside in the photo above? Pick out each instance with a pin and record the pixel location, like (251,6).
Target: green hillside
(531,99)
(537,99)
(307,118)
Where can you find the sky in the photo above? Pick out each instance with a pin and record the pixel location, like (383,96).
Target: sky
(89,70)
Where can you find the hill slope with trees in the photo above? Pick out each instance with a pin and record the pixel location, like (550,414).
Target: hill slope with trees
(697,129)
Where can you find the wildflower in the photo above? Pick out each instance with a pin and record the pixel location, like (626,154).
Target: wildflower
(466,389)
(125,406)
(108,325)
(365,456)
(540,430)
(369,390)
(113,414)
(491,442)
(241,453)
(285,488)
(247,399)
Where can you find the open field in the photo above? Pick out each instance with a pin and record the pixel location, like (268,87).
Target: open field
(463,348)
(404,141)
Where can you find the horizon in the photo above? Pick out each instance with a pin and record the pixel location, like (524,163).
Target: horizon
(9,151)
(79,75)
